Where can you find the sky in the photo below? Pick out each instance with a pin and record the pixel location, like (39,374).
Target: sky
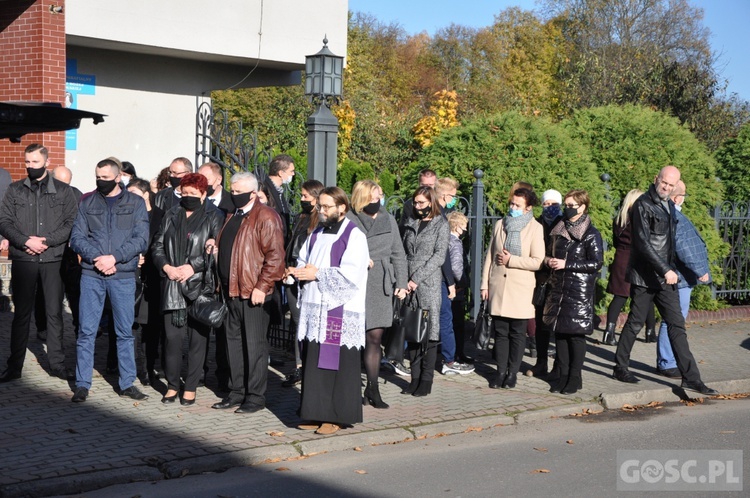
(726,19)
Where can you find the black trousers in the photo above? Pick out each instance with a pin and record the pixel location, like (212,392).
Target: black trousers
(220,356)
(247,349)
(458,306)
(667,301)
(615,307)
(570,351)
(510,342)
(24,278)
(197,335)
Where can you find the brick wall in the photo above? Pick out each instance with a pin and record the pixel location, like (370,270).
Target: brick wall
(32,41)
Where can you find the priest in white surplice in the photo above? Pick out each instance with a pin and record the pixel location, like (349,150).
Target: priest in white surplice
(332,272)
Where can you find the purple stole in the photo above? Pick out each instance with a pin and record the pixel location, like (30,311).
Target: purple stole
(330,348)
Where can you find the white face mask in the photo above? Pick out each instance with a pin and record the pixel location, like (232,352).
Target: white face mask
(678,207)
(125,180)
(288,179)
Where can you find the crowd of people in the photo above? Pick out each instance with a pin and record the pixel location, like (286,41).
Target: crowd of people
(134,256)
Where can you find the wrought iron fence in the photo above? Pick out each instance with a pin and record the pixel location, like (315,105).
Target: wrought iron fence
(733,224)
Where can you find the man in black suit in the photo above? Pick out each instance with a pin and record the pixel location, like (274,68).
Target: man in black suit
(217,194)
(280,173)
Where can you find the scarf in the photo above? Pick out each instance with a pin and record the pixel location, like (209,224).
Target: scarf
(513,227)
(184,228)
(330,348)
(572,230)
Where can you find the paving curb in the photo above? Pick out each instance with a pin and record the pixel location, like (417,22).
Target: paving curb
(80,483)
(461,426)
(224,461)
(616,401)
(535,416)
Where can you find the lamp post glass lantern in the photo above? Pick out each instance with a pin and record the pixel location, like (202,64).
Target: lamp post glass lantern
(324,75)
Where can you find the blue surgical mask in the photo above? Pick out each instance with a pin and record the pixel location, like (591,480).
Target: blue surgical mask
(452,203)
(382,201)
(515,213)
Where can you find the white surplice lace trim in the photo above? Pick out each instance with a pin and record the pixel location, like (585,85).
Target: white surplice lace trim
(335,287)
(312,324)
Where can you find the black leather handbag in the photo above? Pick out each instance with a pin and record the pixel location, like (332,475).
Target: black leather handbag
(393,342)
(415,321)
(482,327)
(540,294)
(209,307)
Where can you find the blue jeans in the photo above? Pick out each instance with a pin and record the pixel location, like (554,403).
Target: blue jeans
(447,337)
(664,354)
(122,297)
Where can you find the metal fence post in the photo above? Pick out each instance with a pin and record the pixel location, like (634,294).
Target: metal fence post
(477,242)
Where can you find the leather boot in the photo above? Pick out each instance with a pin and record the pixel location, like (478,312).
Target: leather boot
(650,335)
(498,381)
(560,384)
(372,396)
(574,383)
(412,386)
(425,388)
(608,339)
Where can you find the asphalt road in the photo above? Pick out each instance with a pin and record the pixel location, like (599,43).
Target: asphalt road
(562,457)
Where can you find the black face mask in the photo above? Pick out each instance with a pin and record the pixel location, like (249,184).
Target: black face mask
(35,173)
(210,190)
(569,213)
(190,203)
(174,181)
(421,214)
(240,200)
(105,187)
(306,206)
(372,208)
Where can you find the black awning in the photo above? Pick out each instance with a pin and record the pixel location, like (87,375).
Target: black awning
(19,118)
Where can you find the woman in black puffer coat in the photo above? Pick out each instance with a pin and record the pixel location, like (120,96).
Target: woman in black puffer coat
(575,256)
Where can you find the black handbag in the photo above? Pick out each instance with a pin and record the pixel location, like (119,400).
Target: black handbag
(393,341)
(540,294)
(482,327)
(209,307)
(415,321)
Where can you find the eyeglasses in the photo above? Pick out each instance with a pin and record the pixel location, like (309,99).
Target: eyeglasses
(573,206)
(421,203)
(681,195)
(323,207)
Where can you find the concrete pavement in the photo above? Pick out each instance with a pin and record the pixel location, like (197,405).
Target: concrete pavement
(52,446)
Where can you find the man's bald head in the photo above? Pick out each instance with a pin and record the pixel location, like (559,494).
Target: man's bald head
(63,174)
(666,181)
(678,194)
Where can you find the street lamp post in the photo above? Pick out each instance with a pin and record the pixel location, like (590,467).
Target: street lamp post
(324,76)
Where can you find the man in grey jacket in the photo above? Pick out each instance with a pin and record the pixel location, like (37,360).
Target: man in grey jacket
(36,217)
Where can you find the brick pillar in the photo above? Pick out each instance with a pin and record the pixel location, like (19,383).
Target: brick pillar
(32,41)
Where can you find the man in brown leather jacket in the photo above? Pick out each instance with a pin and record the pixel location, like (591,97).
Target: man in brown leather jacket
(653,279)
(251,261)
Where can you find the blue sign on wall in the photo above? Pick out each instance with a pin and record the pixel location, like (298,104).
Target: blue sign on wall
(75,85)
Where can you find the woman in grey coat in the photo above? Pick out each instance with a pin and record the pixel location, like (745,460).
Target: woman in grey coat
(387,276)
(426,238)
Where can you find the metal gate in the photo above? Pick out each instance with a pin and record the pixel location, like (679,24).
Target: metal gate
(733,223)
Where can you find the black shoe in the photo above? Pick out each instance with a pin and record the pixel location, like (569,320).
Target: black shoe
(498,381)
(80,395)
(413,386)
(249,407)
(61,373)
(608,339)
(132,392)
(672,373)
(225,404)
(144,379)
(650,335)
(698,387)
(10,376)
(573,385)
(425,388)
(293,378)
(187,402)
(169,399)
(372,396)
(624,375)
(510,381)
(559,385)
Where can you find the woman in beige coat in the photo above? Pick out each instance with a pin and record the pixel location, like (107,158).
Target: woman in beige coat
(516,251)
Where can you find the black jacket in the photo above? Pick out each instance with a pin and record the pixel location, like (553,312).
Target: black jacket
(174,294)
(281,206)
(47,211)
(570,298)
(652,241)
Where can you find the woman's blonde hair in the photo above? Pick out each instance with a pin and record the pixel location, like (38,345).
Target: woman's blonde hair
(457,219)
(624,212)
(362,193)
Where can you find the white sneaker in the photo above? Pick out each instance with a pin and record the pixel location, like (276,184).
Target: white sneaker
(401,369)
(457,368)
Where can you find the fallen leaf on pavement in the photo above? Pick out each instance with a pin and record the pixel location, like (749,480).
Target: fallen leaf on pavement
(654,403)
(361,471)
(540,471)
(275,433)
(570,441)
(282,469)
(473,429)
(542,450)
(357,448)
